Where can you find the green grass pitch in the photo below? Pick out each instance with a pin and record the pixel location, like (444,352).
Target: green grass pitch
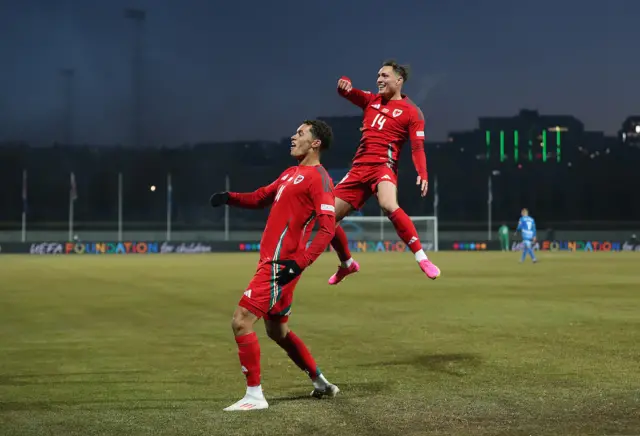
(142,345)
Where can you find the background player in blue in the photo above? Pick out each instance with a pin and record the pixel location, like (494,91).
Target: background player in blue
(527,228)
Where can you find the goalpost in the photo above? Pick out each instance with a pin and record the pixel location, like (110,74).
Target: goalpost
(379,228)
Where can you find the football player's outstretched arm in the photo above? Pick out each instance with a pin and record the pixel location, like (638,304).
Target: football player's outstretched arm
(356,96)
(258,199)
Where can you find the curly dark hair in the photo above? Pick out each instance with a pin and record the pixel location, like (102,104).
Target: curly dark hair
(400,70)
(322,131)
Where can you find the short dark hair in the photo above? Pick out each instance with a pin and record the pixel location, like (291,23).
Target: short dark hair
(322,131)
(400,70)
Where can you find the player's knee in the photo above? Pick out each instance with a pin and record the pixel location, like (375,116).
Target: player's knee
(387,201)
(389,206)
(241,322)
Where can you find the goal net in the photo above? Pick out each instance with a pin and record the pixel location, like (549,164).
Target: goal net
(375,229)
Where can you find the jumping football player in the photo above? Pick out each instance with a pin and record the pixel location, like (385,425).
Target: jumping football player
(301,196)
(390,118)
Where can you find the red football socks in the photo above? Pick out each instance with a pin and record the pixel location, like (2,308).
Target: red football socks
(300,354)
(406,230)
(340,243)
(249,353)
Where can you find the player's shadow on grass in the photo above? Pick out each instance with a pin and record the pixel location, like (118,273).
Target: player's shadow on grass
(362,389)
(288,398)
(353,389)
(456,364)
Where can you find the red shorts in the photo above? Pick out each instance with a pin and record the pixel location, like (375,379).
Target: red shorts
(265,298)
(361,182)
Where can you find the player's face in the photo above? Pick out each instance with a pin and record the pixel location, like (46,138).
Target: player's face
(303,142)
(388,82)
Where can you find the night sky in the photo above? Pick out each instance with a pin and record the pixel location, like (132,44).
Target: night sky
(243,70)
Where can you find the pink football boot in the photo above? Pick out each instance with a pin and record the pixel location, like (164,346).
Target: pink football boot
(343,272)
(432,271)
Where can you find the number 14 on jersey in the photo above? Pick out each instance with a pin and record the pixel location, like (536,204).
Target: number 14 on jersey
(378,121)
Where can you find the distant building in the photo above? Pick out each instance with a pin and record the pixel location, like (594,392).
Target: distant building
(528,137)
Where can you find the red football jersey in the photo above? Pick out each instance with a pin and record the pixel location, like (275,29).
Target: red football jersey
(298,197)
(386,126)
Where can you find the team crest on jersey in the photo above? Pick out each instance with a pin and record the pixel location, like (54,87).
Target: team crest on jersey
(298,179)
(396,112)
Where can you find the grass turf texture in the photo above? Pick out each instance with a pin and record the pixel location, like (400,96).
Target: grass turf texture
(142,345)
